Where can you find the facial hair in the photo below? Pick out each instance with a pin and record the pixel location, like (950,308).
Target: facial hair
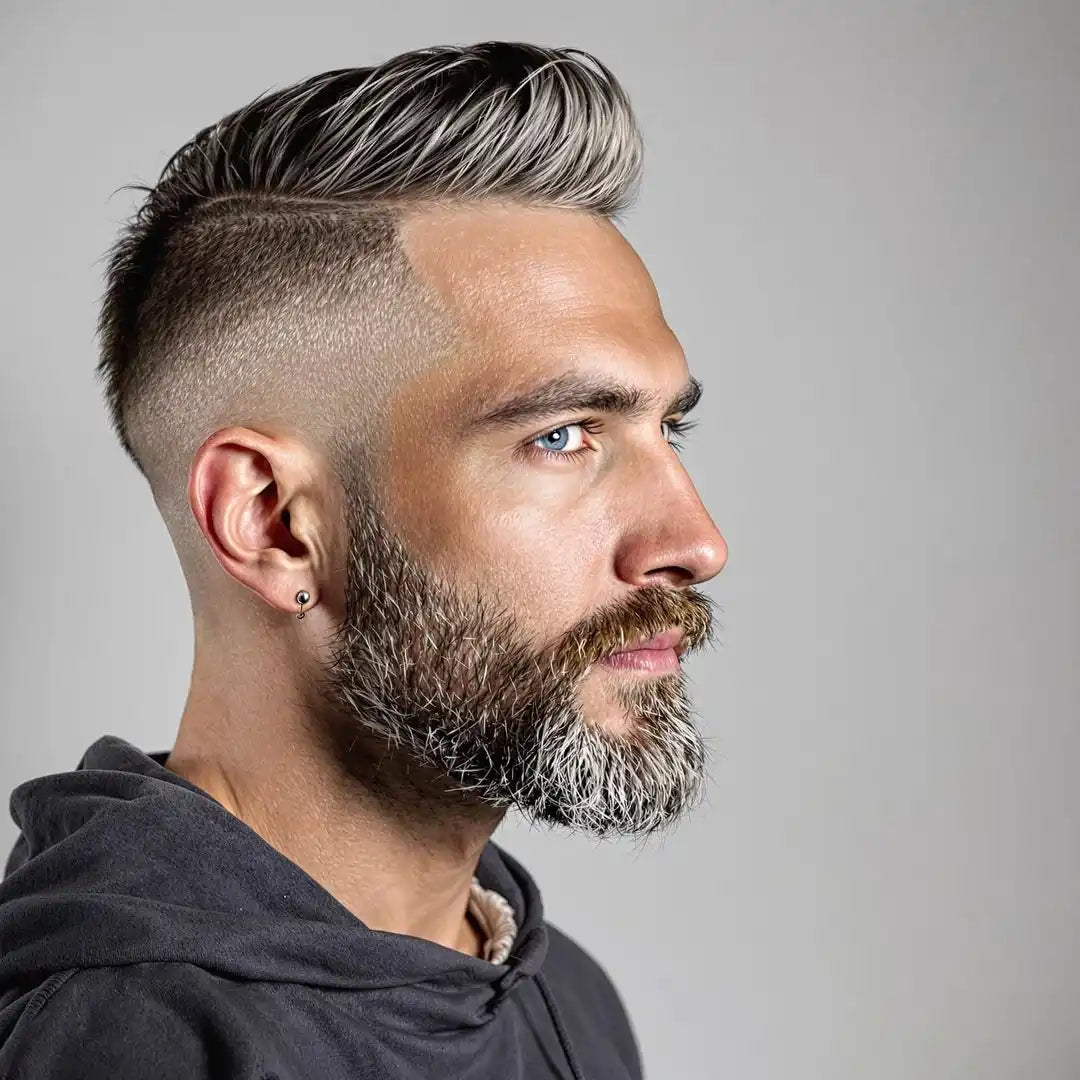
(445,677)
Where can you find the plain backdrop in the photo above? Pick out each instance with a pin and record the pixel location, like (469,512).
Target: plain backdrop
(862,221)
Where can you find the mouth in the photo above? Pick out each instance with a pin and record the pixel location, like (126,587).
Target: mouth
(655,655)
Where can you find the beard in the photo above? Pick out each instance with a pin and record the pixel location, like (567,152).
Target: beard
(442,681)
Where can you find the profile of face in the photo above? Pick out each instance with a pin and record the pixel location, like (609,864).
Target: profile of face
(529,523)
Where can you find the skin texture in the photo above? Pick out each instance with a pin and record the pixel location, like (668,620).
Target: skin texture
(570,547)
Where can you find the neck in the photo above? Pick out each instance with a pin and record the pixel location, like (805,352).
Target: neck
(385,840)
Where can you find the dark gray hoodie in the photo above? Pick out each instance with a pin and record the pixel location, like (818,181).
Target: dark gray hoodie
(148,934)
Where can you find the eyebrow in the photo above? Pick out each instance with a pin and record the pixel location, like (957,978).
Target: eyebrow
(572,392)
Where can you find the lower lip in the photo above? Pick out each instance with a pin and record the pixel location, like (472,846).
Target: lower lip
(650,660)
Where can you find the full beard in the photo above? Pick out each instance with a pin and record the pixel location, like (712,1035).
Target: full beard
(442,678)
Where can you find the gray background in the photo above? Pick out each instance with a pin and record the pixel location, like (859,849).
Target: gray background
(862,220)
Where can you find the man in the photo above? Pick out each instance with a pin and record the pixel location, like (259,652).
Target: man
(408,404)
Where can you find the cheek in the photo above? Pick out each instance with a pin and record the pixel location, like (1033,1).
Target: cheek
(545,568)
(549,563)
(544,535)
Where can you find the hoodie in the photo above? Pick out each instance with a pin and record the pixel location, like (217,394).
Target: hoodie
(146,932)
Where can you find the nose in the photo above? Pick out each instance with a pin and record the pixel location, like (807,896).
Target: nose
(677,543)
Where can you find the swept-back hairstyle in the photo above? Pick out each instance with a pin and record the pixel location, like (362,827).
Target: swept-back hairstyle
(261,276)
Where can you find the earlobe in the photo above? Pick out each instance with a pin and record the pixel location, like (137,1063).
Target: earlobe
(239,485)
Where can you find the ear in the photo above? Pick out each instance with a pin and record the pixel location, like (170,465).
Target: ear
(256,499)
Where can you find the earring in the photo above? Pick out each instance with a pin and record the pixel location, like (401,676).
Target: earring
(302,597)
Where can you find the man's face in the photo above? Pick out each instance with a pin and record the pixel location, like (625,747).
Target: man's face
(509,547)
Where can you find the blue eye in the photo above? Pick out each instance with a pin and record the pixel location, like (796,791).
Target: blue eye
(567,440)
(557,440)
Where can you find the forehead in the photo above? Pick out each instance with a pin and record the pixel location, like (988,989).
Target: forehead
(538,291)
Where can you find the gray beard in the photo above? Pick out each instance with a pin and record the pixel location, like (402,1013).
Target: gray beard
(432,677)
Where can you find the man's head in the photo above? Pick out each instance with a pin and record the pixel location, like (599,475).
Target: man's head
(375,336)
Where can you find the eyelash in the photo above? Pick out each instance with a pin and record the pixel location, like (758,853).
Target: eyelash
(675,427)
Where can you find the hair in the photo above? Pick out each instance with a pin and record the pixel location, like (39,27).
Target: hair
(261,279)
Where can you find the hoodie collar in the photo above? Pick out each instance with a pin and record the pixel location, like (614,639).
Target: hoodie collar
(158,870)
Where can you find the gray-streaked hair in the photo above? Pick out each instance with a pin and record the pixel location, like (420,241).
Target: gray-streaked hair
(226,292)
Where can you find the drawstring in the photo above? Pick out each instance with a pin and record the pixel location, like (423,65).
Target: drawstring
(560,1027)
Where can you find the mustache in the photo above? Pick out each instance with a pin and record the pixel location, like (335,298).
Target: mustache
(648,611)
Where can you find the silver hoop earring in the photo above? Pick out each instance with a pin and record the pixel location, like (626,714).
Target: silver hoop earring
(302,597)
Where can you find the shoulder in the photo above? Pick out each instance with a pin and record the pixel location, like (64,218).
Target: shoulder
(125,1022)
(568,960)
(584,986)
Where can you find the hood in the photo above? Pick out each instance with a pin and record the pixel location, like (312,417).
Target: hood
(122,861)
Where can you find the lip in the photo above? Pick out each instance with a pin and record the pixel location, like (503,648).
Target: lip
(655,655)
(669,639)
